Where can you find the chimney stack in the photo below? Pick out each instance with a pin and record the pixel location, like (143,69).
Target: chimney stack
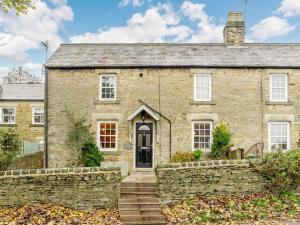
(234,31)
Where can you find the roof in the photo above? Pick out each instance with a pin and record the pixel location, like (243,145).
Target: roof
(31,92)
(174,55)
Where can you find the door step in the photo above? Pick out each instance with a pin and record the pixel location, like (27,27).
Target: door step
(139,203)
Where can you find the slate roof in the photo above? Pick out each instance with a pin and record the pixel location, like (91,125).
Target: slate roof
(31,92)
(174,55)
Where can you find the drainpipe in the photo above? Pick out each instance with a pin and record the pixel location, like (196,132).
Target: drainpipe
(46,118)
(170,125)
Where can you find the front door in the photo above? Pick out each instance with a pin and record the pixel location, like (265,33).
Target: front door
(144,145)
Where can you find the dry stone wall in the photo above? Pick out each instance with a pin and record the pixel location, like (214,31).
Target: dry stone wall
(180,180)
(79,188)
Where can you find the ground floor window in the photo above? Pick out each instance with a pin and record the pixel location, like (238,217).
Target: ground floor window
(37,115)
(202,132)
(107,135)
(279,135)
(8,115)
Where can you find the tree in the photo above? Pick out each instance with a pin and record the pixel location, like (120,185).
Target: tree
(18,75)
(19,6)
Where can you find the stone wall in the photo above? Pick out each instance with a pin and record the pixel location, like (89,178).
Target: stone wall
(179,180)
(79,188)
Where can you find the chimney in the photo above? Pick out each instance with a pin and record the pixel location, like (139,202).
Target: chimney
(234,31)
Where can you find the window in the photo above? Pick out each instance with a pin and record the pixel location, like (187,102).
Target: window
(279,135)
(202,87)
(108,87)
(37,115)
(202,135)
(8,115)
(107,135)
(279,87)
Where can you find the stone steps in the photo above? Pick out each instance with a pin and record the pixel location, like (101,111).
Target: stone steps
(139,202)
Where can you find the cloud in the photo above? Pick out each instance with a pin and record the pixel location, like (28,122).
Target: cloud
(271,27)
(157,24)
(124,3)
(25,32)
(208,31)
(33,68)
(289,8)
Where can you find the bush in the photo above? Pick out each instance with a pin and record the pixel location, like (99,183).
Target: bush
(221,141)
(91,154)
(282,169)
(10,147)
(197,154)
(181,156)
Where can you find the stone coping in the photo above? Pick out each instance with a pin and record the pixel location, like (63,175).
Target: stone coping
(206,164)
(53,171)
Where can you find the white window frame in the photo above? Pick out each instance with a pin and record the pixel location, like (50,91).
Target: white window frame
(1,114)
(195,88)
(193,133)
(286,87)
(33,114)
(98,135)
(100,86)
(288,134)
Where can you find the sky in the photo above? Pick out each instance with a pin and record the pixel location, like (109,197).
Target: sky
(103,21)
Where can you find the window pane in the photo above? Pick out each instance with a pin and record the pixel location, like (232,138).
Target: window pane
(108,84)
(202,87)
(107,135)
(279,135)
(202,135)
(278,87)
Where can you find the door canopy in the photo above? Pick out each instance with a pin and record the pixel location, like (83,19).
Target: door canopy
(141,110)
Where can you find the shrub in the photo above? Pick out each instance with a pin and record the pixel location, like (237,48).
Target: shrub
(282,169)
(78,133)
(91,155)
(10,147)
(181,156)
(197,154)
(221,140)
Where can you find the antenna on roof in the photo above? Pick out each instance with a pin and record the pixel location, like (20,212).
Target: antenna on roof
(45,44)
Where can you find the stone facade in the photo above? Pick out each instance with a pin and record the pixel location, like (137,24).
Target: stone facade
(239,96)
(177,181)
(79,188)
(24,124)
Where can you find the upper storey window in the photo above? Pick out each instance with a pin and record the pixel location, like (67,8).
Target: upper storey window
(279,88)
(108,87)
(202,87)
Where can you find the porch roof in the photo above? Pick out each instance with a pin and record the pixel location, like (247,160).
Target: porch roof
(143,108)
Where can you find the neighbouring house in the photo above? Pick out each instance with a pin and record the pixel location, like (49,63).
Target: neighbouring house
(146,101)
(22,108)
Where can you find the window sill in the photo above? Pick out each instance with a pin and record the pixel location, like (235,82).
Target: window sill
(8,125)
(279,103)
(193,102)
(36,125)
(106,102)
(112,152)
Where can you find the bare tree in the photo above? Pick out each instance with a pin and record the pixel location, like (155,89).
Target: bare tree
(18,75)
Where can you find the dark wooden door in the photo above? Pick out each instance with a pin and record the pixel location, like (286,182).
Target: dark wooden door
(144,145)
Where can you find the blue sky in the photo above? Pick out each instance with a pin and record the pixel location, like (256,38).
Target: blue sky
(73,21)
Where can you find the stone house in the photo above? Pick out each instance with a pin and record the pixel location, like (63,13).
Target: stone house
(146,101)
(22,107)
